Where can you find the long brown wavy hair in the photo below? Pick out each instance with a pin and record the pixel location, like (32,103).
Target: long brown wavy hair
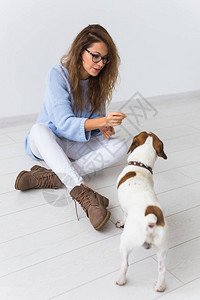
(101,86)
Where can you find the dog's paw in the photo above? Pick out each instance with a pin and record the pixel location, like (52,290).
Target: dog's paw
(159,288)
(121,281)
(119,224)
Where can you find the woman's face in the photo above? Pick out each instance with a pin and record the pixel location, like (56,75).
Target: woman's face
(88,66)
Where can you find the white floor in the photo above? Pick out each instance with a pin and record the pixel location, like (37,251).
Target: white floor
(45,253)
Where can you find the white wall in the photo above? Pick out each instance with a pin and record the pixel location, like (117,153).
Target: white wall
(158,41)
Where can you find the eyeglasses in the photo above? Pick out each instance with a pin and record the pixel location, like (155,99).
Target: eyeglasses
(97,58)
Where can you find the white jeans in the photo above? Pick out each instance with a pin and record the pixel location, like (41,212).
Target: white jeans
(89,157)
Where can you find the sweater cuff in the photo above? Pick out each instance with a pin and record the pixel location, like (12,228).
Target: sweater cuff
(85,135)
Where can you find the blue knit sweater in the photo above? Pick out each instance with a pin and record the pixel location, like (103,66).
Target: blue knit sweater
(57,112)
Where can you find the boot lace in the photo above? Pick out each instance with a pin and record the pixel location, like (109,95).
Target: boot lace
(46,181)
(84,200)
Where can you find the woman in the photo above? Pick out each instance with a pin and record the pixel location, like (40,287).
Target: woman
(73,125)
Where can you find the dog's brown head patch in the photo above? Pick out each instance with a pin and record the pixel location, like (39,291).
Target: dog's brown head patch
(157,212)
(140,139)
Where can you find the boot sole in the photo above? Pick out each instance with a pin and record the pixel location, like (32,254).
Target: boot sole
(34,168)
(104,221)
(18,178)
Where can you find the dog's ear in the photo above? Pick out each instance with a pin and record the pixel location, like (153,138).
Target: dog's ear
(158,146)
(134,145)
(160,151)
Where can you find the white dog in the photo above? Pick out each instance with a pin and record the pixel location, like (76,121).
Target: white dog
(144,223)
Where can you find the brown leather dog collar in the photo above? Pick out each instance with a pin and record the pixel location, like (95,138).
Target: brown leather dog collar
(139,164)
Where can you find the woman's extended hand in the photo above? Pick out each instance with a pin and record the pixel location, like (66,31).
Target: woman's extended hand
(114,118)
(107,131)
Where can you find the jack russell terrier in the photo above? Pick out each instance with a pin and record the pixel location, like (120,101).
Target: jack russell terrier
(144,223)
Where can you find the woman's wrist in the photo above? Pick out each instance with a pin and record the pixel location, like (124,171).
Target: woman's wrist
(103,123)
(97,123)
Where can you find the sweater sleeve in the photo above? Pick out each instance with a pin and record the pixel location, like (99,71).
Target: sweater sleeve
(95,115)
(60,109)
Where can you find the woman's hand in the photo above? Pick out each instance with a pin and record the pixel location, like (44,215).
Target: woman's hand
(107,131)
(114,118)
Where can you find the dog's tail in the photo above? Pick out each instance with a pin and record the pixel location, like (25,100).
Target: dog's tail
(151,220)
(154,216)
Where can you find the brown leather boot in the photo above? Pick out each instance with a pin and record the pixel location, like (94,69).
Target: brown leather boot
(37,178)
(93,204)
(36,167)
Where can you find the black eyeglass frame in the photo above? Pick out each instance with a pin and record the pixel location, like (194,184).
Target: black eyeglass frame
(101,57)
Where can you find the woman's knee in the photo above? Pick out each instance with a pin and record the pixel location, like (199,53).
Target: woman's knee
(35,138)
(122,147)
(38,129)
(118,146)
